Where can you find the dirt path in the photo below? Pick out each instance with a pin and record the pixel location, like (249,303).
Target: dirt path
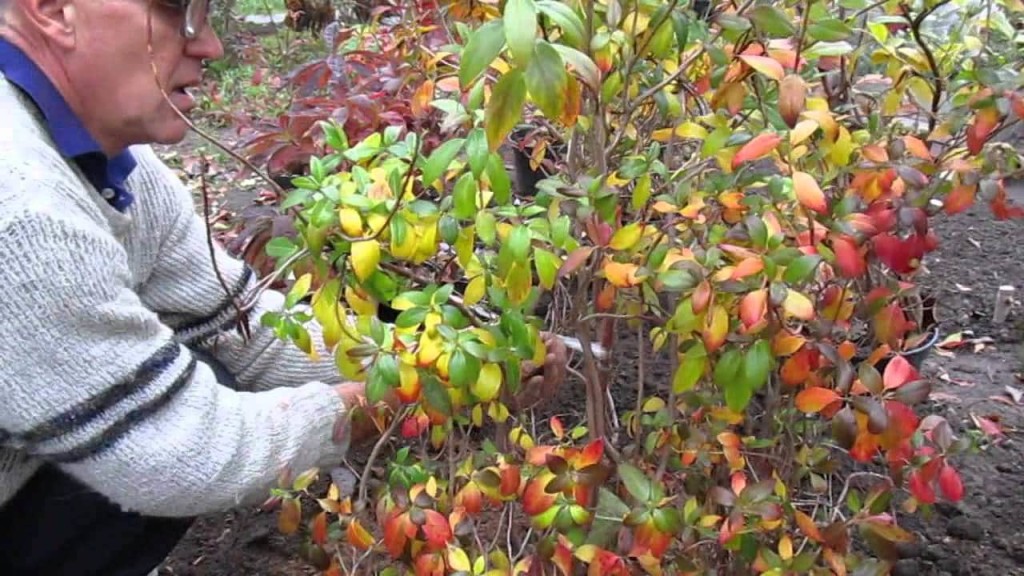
(981,536)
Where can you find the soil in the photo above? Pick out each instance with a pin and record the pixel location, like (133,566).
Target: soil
(980,536)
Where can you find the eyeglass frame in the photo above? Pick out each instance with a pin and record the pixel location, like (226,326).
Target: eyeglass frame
(195,12)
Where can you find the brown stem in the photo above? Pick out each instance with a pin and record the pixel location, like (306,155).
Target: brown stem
(915,30)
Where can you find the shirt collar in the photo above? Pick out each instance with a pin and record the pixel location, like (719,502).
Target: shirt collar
(69,134)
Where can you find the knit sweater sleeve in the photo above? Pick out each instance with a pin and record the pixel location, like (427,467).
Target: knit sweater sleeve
(93,381)
(186,287)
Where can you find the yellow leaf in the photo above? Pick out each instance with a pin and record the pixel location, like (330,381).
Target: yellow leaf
(802,131)
(518,282)
(475,290)
(365,257)
(798,305)
(488,383)
(351,222)
(843,148)
(458,560)
(765,65)
(361,305)
(626,237)
(786,548)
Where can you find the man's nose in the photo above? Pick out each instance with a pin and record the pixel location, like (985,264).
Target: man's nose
(205,46)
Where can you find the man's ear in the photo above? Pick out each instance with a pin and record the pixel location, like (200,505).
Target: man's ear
(55,20)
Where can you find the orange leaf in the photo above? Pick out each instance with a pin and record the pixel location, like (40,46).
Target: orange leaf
(917,147)
(622,274)
(753,307)
(875,153)
(797,368)
(701,297)
(420,104)
(816,399)
(960,199)
(808,193)
(319,531)
(792,98)
(807,526)
(748,267)
(362,539)
(758,147)
(765,65)
(786,343)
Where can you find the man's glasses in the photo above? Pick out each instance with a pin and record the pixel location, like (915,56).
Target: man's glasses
(195,12)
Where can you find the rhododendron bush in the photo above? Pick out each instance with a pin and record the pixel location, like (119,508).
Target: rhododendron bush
(744,188)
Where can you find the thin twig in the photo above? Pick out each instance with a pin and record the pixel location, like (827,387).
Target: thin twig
(365,476)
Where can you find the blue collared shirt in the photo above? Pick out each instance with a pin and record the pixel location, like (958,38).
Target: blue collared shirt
(73,141)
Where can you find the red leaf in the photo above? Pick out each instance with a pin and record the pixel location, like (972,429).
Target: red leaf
(576,258)
(950,484)
(849,259)
(590,455)
(1002,208)
(437,531)
(815,399)
(890,325)
(758,147)
(898,372)
(557,428)
(535,499)
(903,256)
(920,488)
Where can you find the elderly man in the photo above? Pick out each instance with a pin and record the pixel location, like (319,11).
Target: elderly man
(129,403)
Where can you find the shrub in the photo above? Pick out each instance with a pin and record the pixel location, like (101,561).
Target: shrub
(752,194)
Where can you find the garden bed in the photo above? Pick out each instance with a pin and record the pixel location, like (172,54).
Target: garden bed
(981,535)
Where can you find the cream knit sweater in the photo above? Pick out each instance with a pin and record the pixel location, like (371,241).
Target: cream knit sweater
(98,311)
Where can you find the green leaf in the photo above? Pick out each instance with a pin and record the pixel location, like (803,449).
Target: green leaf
(772,21)
(505,107)
(440,159)
(436,396)
(582,64)
(498,176)
(519,243)
(547,267)
(691,368)
(573,29)
(547,81)
(829,30)
(411,317)
(637,483)
(486,227)
(464,195)
(483,47)
(478,152)
(608,515)
(727,369)
(757,363)
(800,270)
(463,369)
(829,49)
(520,23)
(383,377)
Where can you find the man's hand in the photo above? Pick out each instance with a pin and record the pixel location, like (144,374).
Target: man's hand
(541,383)
(538,384)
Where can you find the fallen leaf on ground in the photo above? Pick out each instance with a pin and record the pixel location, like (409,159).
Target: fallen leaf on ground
(1015,393)
(988,426)
(945,377)
(944,397)
(963,288)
